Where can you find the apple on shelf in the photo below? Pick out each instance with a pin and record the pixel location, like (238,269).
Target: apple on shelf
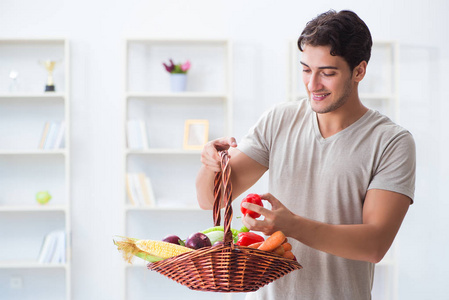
(43,197)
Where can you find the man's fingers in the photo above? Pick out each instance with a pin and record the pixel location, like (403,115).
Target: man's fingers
(270,198)
(210,157)
(250,223)
(232,142)
(224,143)
(256,208)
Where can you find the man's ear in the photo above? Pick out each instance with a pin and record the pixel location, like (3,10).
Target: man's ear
(359,71)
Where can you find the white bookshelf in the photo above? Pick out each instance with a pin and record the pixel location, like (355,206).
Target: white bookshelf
(379,91)
(171,168)
(26,169)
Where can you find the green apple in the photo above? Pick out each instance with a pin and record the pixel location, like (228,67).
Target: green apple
(43,197)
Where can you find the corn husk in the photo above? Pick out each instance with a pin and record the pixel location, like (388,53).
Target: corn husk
(127,247)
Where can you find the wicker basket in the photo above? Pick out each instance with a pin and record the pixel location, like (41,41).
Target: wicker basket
(227,267)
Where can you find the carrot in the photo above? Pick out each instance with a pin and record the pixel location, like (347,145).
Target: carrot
(273,241)
(287,246)
(279,250)
(289,255)
(255,245)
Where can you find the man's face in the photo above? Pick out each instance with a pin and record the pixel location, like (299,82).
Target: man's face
(327,78)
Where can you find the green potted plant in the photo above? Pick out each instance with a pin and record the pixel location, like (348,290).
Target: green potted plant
(178,75)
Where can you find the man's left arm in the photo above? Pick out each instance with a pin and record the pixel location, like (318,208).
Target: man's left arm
(383,213)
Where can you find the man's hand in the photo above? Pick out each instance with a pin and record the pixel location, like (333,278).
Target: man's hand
(209,156)
(278,218)
(245,170)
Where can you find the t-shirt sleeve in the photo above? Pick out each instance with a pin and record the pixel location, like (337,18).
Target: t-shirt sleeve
(396,170)
(256,143)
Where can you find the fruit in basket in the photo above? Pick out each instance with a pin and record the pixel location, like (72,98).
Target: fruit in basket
(174,239)
(198,240)
(251,198)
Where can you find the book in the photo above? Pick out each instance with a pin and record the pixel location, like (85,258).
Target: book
(129,190)
(138,186)
(143,134)
(139,189)
(150,191)
(51,137)
(53,249)
(133,181)
(137,137)
(47,249)
(132,135)
(44,135)
(60,248)
(59,142)
(147,189)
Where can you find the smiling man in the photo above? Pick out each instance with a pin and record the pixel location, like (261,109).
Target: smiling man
(341,175)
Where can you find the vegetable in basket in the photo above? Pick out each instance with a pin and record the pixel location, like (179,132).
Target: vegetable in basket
(198,240)
(273,241)
(148,250)
(251,198)
(174,239)
(235,232)
(276,243)
(248,238)
(215,236)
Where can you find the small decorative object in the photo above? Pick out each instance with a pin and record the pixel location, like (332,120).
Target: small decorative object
(196,134)
(178,75)
(14,86)
(49,66)
(43,197)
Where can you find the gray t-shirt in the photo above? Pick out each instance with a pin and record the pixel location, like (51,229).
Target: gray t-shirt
(326,179)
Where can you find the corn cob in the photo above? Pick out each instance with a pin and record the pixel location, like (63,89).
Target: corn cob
(161,249)
(127,246)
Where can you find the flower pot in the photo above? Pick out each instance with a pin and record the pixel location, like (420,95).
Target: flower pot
(178,82)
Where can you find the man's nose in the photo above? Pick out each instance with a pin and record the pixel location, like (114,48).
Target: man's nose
(314,83)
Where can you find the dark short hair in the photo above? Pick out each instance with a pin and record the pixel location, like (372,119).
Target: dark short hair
(345,33)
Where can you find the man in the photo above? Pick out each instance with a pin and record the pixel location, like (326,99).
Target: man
(341,175)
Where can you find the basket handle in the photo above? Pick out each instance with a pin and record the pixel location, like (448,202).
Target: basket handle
(223,195)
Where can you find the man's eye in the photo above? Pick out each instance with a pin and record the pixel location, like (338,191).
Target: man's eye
(328,74)
(306,71)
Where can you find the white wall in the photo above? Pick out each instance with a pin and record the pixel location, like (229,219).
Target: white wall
(260,30)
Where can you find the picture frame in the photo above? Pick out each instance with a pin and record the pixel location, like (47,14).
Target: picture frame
(196,134)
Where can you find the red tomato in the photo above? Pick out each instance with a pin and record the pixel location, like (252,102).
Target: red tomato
(251,198)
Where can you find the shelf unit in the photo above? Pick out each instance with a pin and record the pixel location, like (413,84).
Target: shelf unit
(171,168)
(379,91)
(26,169)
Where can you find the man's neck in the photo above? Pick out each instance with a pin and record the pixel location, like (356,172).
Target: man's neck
(333,122)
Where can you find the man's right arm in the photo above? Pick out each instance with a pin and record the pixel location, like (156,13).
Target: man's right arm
(245,171)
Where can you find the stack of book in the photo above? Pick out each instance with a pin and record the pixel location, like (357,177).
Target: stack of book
(137,134)
(52,136)
(139,190)
(53,250)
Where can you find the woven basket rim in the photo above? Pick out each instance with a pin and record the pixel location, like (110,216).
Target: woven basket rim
(179,268)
